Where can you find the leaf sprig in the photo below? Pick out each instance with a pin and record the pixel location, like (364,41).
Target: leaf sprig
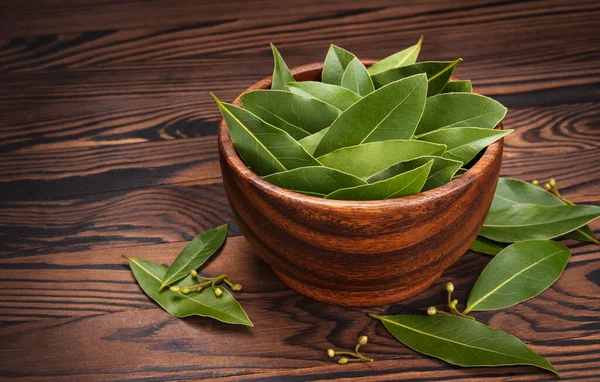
(342,123)
(189,293)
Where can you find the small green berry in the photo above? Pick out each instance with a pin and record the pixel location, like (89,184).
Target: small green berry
(552,182)
(362,340)
(450,287)
(454,302)
(194,273)
(535,182)
(185,290)
(218,292)
(343,360)
(175,288)
(331,353)
(236,288)
(431,310)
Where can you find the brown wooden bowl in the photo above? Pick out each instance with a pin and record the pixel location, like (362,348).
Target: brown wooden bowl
(357,253)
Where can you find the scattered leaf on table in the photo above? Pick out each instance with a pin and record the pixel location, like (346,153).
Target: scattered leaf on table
(200,249)
(281,73)
(442,171)
(357,79)
(487,246)
(510,192)
(265,148)
(408,183)
(334,95)
(336,61)
(224,308)
(316,181)
(460,110)
(519,272)
(463,86)
(299,116)
(405,57)
(369,158)
(534,221)
(438,74)
(464,142)
(461,341)
(391,112)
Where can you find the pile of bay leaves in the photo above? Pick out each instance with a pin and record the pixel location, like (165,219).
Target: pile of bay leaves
(394,129)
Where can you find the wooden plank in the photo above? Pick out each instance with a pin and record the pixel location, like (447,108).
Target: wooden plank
(503,31)
(111,327)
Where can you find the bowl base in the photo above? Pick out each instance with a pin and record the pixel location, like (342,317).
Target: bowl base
(357,298)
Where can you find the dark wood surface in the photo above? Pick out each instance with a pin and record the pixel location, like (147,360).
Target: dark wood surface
(108,146)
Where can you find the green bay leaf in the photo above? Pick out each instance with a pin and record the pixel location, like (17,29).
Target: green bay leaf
(335,64)
(369,158)
(357,79)
(464,143)
(460,110)
(281,73)
(224,308)
(486,246)
(333,95)
(200,249)
(316,181)
(519,272)
(533,221)
(265,148)
(463,86)
(442,171)
(408,183)
(438,73)
(405,57)
(460,341)
(299,116)
(510,192)
(311,142)
(391,112)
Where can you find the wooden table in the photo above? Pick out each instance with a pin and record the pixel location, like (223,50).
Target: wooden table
(108,147)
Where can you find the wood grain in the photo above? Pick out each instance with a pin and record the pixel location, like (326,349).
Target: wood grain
(89,303)
(108,145)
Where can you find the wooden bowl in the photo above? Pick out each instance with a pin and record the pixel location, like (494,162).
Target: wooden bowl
(357,253)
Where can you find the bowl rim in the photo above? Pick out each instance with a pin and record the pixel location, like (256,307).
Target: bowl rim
(236,163)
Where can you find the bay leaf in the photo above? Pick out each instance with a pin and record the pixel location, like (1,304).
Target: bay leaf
(357,79)
(224,308)
(460,110)
(281,73)
(311,142)
(442,171)
(335,64)
(460,341)
(391,112)
(510,192)
(316,180)
(534,221)
(408,183)
(438,74)
(463,86)
(405,57)
(299,116)
(333,95)
(464,143)
(200,249)
(487,246)
(265,148)
(369,158)
(519,272)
